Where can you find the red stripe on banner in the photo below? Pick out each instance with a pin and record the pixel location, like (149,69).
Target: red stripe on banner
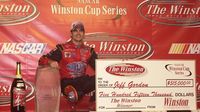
(186,49)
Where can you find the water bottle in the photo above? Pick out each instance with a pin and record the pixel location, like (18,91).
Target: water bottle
(47,89)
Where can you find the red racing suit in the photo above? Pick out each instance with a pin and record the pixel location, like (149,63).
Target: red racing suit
(73,60)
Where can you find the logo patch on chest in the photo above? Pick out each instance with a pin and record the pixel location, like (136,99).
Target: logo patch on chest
(69,54)
(77,67)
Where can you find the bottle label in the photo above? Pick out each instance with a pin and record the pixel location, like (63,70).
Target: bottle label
(19,97)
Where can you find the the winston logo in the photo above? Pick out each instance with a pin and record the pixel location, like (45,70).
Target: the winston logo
(178,69)
(119,46)
(185,48)
(125,69)
(171,12)
(13,12)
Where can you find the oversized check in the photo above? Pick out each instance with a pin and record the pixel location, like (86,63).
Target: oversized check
(145,85)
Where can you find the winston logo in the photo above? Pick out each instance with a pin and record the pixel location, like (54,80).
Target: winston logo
(13,12)
(171,12)
(125,69)
(5,87)
(179,69)
(119,46)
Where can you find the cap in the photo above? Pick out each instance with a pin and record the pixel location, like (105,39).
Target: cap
(77,25)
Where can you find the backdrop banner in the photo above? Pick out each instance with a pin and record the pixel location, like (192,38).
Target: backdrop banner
(116,29)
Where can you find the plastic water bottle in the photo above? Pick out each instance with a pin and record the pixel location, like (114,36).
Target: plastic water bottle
(47,89)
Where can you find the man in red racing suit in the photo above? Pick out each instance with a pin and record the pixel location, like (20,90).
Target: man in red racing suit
(73,57)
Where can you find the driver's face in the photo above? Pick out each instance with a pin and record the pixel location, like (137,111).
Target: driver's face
(78,35)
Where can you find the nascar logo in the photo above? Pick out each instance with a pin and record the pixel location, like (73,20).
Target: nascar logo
(22,48)
(185,48)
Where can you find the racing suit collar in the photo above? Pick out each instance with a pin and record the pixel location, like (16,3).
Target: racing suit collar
(76,46)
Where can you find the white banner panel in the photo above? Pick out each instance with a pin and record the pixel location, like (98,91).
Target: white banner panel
(145,85)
